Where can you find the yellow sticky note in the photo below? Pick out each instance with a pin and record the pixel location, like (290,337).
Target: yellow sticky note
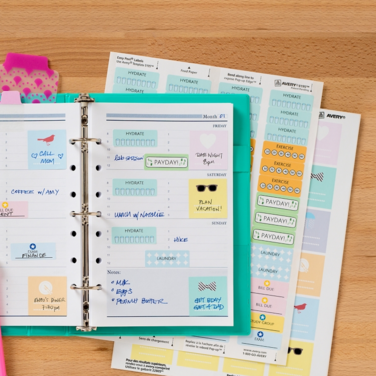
(264,321)
(298,360)
(47,296)
(152,354)
(191,360)
(243,367)
(208,198)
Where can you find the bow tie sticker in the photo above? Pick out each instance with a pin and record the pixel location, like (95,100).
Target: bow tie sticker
(319,176)
(211,286)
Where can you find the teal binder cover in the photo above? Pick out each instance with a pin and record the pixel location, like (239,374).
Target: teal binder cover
(241,204)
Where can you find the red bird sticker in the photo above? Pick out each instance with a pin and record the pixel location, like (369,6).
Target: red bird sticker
(47,140)
(300,307)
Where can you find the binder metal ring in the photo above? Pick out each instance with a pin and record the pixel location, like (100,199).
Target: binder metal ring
(72,141)
(95,214)
(75,287)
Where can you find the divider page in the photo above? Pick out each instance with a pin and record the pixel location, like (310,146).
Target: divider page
(38,190)
(284,113)
(163,248)
(318,282)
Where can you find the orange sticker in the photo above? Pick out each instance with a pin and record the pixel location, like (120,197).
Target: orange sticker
(286,152)
(47,296)
(310,274)
(282,169)
(277,185)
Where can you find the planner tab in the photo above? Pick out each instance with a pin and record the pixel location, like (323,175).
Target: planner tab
(10,97)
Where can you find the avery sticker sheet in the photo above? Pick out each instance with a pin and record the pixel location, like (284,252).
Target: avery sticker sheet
(163,181)
(284,113)
(39,240)
(318,280)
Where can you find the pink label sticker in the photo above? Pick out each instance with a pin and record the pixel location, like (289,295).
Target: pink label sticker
(14,209)
(327,143)
(208,150)
(269,287)
(269,304)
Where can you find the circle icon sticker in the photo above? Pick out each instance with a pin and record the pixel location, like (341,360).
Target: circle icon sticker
(45,288)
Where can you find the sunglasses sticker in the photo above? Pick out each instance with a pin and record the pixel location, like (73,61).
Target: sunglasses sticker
(208,150)
(207,198)
(299,360)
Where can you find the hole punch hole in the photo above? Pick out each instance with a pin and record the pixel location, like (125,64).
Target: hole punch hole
(73,168)
(74,260)
(73,233)
(98,194)
(98,234)
(98,260)
(73,194)
(86,306)
(98,167)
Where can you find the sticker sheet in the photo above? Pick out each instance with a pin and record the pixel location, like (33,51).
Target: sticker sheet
(318,281)
(163,180)
(40,243)
(284,114)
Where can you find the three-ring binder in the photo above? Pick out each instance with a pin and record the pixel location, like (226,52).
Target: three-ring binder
(84,99)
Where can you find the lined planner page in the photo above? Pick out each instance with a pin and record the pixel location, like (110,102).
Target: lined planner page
(40,243)
(163,181)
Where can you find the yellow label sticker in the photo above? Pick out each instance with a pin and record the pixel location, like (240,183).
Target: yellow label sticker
(264,321)
(47,296)
(243,367)
(299,360)
(191,360)
(208,198)
(152,354)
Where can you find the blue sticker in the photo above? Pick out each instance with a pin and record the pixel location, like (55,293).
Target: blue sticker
(208,296)
(33,251)
(261,338)
(47,150)
(305,318)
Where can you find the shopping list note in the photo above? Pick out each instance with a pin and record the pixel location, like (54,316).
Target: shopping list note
(314,307)
(164,186)
(283,115)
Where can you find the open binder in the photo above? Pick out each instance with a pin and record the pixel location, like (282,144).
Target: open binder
(215,303)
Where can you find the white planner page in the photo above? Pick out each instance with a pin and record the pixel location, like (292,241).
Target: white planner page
(40,243)
(162,179)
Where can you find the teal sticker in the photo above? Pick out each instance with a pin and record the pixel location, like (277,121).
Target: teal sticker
(134,235)
(167,259)
(255,97)
(135,81)
(135,138)
(187,85)
(291,101)
(321,189)
(208,296)
(33,251)
(47,150)
(288,126)
(134,187)
(174,162)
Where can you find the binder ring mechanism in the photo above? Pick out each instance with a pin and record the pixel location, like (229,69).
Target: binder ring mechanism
(75,287)
(95,214)
(72,141)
